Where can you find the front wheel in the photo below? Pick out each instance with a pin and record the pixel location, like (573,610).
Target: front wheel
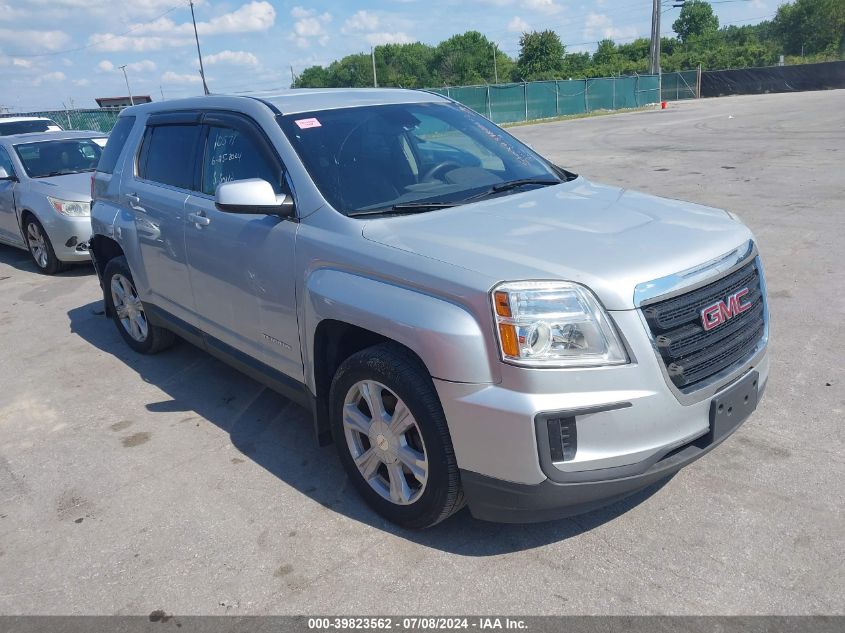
(40,247)
(128,313)
(392,438)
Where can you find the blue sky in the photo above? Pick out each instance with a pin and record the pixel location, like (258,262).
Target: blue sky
(68,51)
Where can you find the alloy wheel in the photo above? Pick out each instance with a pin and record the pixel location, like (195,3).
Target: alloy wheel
(37,244)
(385,442)
(128,307)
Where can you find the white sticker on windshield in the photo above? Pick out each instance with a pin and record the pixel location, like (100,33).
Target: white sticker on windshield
(304,124)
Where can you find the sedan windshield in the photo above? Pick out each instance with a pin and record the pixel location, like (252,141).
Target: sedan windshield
(60,157)
(411,157)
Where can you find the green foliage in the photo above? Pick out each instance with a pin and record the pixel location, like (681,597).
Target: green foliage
(541,56)
(696,19)
(817,26)
(467,59)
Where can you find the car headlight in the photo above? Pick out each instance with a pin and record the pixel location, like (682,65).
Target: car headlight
(554,324)
(71,207)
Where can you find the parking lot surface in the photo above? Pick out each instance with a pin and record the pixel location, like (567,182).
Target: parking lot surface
(130,484)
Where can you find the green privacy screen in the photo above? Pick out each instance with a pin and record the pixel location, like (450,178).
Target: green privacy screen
(501,103)
(509,103)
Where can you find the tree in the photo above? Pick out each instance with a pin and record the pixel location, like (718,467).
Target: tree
(541,56)
(814,26)
(696,19)
(465,59)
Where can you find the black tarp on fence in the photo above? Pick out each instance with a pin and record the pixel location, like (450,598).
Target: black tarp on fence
(752,81)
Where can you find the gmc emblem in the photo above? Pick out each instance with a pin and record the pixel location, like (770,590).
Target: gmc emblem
(715,315)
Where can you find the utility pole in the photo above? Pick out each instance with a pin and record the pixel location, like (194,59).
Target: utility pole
(292,76)
(654,53)
(128,89)
(495,68)
(373,55)
(199,53)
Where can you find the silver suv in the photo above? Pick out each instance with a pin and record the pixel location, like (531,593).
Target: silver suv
(468,322)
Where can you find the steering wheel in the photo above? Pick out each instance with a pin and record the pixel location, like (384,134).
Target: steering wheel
(429,175)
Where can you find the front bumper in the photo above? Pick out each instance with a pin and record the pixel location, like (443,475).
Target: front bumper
(632,431)
(501,501)
(69,236)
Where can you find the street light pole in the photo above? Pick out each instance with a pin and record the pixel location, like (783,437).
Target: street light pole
(199,53)
(128,89)
(495,68)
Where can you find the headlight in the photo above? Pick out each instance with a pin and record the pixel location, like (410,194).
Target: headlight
(554,324)
(71,207)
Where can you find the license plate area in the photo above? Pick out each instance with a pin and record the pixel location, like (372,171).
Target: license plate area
(729,408)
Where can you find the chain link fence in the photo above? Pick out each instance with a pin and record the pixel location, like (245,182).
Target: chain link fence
(98,120)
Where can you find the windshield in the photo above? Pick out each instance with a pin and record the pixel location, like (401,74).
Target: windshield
(400,156)
(56,158)
(24,127)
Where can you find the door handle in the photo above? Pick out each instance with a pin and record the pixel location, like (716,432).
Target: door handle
(135,202)
(199,219)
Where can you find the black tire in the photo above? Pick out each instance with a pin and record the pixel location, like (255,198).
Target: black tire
(51,263)
(157,338)
(404,374)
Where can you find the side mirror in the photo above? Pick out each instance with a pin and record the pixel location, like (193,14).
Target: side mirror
(4,175)
(253,195)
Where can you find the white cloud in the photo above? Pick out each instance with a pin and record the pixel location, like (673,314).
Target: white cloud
(171,77)
(36,41)
(309,26)
(49,78)
(143,66)
(600,26)
(547,7)
(108,43)
(377,39)
(164,32)
(105,66)
(240,58)
(22,63)
(361,21)
(518,25)
(81,82)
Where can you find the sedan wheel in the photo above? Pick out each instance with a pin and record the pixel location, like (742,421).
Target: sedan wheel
(37,244)
(128,308)
(385,442)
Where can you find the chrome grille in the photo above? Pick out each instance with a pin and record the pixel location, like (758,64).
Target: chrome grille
(692,354)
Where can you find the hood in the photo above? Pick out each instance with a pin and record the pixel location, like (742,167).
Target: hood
(75,187)
(606,238)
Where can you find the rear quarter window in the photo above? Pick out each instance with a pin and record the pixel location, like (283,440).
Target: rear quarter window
(117,139)
(168,155)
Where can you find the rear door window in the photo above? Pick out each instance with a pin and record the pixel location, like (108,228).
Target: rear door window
(117,139)
(233,154)
(168,154)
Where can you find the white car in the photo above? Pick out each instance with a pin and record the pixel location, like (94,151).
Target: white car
(26,124)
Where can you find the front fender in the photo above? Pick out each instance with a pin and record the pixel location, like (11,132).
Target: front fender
(444,335)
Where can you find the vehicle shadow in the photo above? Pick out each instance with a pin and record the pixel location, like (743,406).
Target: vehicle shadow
(22,260)
(278,435)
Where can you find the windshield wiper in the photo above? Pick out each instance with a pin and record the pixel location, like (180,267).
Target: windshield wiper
(514,184)
(405,208)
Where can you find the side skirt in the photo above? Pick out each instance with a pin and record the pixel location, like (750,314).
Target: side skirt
(289,387)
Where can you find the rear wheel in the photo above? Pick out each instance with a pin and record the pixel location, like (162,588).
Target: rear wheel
(128,313)
(392,438)
(40,247)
